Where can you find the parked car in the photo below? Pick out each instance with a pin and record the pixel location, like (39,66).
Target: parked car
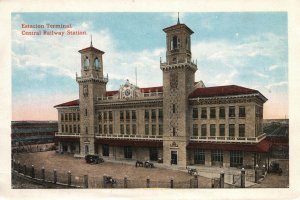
(93,159)
(274,168)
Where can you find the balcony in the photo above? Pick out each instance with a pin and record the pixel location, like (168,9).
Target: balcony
(130,137)
(228,139)
(59,134)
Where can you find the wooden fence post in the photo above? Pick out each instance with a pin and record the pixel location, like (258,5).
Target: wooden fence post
(25,170)
(69,178)
(86,181)
(256,174)
(243,178)
(43,174)
(195,181)
(222,179)
(148,182)
(54,176)
(125,182)
(32,172)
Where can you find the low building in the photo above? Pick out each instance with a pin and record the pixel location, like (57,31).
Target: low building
(32,132)
(182,122)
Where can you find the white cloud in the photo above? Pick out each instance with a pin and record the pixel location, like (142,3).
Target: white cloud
(260,74)
(272,67)
(277,84)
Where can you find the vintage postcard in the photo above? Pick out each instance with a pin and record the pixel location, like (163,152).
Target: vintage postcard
(155,100)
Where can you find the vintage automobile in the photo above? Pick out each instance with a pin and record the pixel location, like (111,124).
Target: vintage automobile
(93,159)
(274,168)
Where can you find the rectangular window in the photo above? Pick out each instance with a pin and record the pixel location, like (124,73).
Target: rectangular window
(241,130)
(153,129)
(74,116)
(66,117)
(121,116)
(127,115)
(217,155)
(105,150)
(62,128)
(100,129)
(127,129)
(195,113)
(146,115)
(222,129)
(70,128)
(110,115)
(160,129)
(199,156)
(231,111)
(146,129)
(174,131)
(78,117)
(110,129)
(122,128)
(105,128)
(67,129)
(62,117)
(203,130)
(78,128)
(231,130)
(100,116)
(153,114)
(153,154)
(212,130)
(236,158)
(174,108)
(133,115)
(85,112)
(128,152)
(203,113)
(212,113)
(160,114)
(222,113)
(133,129)
(75,128)
(70,116)
(105,116)
(195,129)
(242,111)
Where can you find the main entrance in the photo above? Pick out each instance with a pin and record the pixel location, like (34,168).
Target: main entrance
(174,157)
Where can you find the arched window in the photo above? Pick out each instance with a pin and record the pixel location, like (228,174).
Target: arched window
(174,43)
(97,63)
(86,62)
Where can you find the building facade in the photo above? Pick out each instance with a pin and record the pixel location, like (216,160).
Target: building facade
(179,123)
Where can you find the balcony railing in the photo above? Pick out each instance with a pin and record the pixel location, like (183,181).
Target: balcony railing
(228,139)
(59,134)
(132,137)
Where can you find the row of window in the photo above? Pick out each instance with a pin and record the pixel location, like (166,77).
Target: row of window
(153,129)
(153,152)
(69,117)
(212,130)
(221,113)
(105,116)
(70,128)
(236,157)
(154,114)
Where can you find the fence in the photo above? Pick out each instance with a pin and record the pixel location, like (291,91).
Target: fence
(67,179)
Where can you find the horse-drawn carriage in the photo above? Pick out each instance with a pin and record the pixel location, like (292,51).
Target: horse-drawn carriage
(192,171)
(146,164)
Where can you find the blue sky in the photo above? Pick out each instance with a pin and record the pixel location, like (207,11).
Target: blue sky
(248,49)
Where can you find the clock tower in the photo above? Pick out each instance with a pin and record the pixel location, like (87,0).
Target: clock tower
(92,84)
(178,83)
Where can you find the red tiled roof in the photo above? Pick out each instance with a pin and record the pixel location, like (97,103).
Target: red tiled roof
(124,142)
(152,89)
(262,146)
(221,91)
(69,103)
(90,49)
(112,93)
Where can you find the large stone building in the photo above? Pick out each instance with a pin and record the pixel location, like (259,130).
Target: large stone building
(181,123)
